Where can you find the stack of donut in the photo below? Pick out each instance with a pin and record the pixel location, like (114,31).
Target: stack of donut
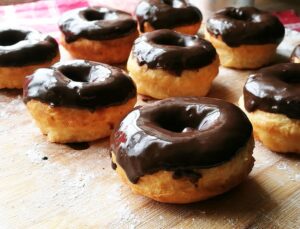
(186,147)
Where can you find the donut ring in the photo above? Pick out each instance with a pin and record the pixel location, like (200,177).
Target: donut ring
(164,63)
(98,34)
(182,150)
(177,15)
(77,101)
(295,56)
(22,51)
(245,38)
(272,102)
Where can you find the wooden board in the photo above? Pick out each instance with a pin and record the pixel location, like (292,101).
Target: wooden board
(78,189)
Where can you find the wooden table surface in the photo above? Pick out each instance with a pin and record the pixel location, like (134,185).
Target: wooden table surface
(45,185)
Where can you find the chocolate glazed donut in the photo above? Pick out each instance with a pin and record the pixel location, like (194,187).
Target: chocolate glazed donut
(78,100)
(179,135)
(245,25)
(274,89)
(172,51)
(166,14)
(80,84)
(96,23)
(22,47)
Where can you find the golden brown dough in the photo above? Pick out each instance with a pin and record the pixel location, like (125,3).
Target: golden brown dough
(276,131)
(158,83)
(244,56)
(161,187)
(113,51)
(63,125)
(186,29)
(13,77)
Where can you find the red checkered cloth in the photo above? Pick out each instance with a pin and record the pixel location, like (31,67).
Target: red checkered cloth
(289,18)
(43,15)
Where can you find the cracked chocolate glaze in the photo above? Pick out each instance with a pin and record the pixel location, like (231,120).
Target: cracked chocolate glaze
(23,46)
(166,14)
(96,23)
(296,54)
(172,51)
(245,25)
(274,89)
(181,135)
(80,84)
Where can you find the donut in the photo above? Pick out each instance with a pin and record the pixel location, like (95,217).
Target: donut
(295,56)
(245,38)
(98,34)
(271,100)
(78,100)
(23,50)
(164,63)
(177,15)
(183,149)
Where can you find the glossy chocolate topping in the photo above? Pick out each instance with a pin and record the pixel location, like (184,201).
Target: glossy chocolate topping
(245,25)
(22,47)
(295,56)
(172,51)
(180,135)
(96,23)
(80,84)
(166,14)
(274,89)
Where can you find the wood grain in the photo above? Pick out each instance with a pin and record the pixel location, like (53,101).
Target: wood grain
(78,189)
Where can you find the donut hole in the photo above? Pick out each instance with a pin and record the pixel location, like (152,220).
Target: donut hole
(93,15)
(290,78)
(173,3)
(75,73)
(85,73)
(11,37)
(181,120)
(98,15)
(170,40)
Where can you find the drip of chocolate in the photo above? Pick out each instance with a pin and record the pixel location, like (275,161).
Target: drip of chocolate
(245,25)
(172,51)
(22,47)
(80,84)
(96,23)
(193,176)
(114,166)
(274,89)
(166,14)
(79,145)
(152,138)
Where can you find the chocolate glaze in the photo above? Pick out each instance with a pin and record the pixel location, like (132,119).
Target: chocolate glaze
(179,134)
(192,175)
(172,51)
(22,47)
(79,145)
(166,14)
(245,25)
(274,89)
(80,84)
(296,53)
(114,166)
(96,23)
